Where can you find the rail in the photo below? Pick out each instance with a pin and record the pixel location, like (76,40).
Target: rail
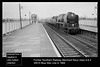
(70,44)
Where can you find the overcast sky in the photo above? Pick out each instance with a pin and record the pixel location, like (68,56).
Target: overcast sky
(48,9)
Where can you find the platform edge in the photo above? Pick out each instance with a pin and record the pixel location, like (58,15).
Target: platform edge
(56,51)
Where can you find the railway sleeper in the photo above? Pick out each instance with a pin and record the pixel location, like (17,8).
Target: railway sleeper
(68,48)
(70,54)
(68,51)
(73,56)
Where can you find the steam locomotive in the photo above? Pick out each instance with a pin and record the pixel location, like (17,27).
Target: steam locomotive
(67,22)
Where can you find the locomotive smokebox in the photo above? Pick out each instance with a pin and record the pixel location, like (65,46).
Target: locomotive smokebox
(71,16)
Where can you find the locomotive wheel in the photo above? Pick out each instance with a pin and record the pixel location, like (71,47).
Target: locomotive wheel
(67,31)
(79,31)
(64,30)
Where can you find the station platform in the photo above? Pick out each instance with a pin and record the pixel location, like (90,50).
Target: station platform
(31,41)
(93,29)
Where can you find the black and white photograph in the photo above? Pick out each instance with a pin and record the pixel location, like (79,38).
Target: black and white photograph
(50,29)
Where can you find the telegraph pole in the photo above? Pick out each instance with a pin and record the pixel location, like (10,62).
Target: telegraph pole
(20,16)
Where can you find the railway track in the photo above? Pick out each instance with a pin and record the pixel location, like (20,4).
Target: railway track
(91,40)
(87,49)
(89,44)
(65,48)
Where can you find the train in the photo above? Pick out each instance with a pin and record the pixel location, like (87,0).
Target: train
(34,18)
(68,22)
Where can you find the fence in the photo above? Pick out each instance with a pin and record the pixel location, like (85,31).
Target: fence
(92,23)
(11,26)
